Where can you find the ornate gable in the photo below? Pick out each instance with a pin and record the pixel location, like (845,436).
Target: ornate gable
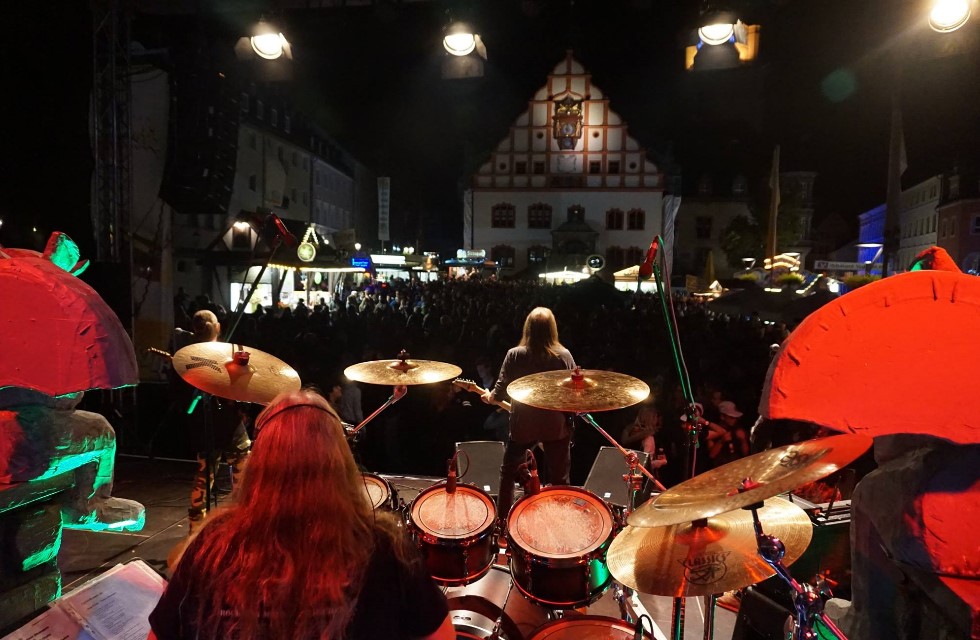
(569,138)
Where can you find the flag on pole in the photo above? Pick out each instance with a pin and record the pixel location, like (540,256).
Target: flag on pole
(672,205)
(773,205)
(384,199)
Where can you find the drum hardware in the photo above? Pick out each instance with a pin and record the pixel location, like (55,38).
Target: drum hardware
(808,599)
(400,374)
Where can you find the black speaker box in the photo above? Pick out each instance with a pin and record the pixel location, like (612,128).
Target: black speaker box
(760,618)
(606,476)
(485,458)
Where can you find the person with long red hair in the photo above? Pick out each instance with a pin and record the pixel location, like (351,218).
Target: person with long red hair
(301,554)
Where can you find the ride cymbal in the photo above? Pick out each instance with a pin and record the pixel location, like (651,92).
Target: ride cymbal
(709,556)
(402,371)
(235,372)
(762,476)
(578,391)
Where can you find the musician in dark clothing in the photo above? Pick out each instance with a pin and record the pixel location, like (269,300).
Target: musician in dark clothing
(538,351)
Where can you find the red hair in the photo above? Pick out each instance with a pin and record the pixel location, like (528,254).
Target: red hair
(298,538)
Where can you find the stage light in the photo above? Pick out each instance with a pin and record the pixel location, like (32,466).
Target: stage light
(717,26)
(459,39)
(949,15)
(267,41)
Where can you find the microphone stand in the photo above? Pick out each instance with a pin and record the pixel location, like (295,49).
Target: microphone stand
(252,287)
(634,478)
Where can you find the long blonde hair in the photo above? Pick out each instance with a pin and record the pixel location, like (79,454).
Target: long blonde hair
(540,334)
(298,538)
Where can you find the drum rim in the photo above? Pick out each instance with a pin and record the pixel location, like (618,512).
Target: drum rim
(608,524)
(432,536)
(576,621)
(378,481)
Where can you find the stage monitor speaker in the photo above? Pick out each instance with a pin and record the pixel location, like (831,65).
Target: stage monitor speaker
(606,476)
(760,618)
(485,456)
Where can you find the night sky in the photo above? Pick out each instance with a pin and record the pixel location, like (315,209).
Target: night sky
(370,77)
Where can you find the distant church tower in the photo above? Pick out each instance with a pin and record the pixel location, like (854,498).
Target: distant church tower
(567,181)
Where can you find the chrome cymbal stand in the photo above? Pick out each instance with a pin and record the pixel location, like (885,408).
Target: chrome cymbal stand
(807,599)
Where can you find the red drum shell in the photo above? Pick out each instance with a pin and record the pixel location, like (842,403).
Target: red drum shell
(558,540)
(585,628)
(455,531)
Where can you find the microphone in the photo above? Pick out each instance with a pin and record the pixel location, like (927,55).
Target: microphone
(533,483)
(451,476)
(646,269)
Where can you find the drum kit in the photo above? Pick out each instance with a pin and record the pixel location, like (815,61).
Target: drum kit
(722,530)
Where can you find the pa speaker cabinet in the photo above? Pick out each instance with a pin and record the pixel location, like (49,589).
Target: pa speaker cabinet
(485,458)
(606,476)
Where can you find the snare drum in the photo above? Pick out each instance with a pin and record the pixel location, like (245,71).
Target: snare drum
(379,492)
(558,541)
(586,628)
(475,608)
(454,531)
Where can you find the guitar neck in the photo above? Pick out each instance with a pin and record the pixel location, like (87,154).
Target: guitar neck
(475,388)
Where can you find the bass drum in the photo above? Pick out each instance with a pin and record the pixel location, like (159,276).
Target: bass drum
(474,609)
(558,540)
(586,628)
(379,492)
(454,532)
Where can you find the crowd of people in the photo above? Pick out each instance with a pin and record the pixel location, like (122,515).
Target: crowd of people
(473,324)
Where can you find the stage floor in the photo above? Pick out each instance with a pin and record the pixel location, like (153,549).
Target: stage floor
(163,487)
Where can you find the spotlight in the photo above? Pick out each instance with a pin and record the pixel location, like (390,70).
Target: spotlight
(460,39)
(949,15)
(717,26)
(267,41)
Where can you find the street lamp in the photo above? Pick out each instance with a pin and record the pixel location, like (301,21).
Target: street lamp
(871,245)
(357,246)
(949,15)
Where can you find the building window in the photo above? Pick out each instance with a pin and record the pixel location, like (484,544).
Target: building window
(293,194)
(503,255)
(241,238)
(634,255)
(251,140)
(539,167)
(636,220)
(317,178)
(952,227)
(251,182)
(286,124)
(702,227)
(306,197)
(306,163)
(539,216)
(614,166)
(295,159)
(975,229)
(244,102)
(502,216)
(614,219)
(740,186)
(705,187)
(942,228)
(615,258)
(520,166)
(933,229)
(537,254)
(595,166)
(274,117)
(259,109)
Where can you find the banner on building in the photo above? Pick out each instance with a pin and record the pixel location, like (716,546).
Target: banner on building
(468,219)
(384,200)
(672,204)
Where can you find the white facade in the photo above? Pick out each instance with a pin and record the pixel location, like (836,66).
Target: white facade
(917,221)
(568,151)
(271,172)
(333,197)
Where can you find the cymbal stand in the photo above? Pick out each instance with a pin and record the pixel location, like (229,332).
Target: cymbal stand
(397,394)
(634,479)
(495,634)
(807,600)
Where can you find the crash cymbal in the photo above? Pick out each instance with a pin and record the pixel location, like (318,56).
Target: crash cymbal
(235,372)
(765,474)
(706,557)
(402,371)
(578,391)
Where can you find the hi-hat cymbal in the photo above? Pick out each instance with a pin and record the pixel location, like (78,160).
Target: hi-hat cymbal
(707,557)
(402,371)
(235,372)
(764,475)
(578,391)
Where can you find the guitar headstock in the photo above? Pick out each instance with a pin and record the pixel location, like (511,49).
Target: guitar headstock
(467,385)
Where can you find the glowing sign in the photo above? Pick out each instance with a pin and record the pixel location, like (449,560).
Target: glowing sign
(360,262)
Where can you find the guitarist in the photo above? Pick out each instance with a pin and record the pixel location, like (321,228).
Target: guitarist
(539,350)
